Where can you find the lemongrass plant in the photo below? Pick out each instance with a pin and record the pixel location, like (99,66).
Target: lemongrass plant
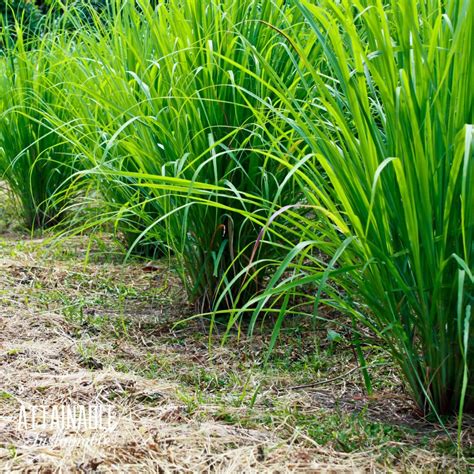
(35,160)
(388,163)
(164,113)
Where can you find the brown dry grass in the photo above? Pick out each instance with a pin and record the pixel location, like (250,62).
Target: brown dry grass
(104,334)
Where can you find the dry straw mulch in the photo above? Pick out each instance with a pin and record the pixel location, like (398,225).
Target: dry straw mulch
(41,366)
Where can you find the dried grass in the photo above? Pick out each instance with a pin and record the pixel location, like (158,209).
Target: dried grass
(41,366)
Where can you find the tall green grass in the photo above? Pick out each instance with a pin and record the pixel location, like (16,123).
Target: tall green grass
(35,160)
(388,161)
(167,110)
(25,12)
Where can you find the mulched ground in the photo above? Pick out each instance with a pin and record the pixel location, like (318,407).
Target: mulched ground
(104,334)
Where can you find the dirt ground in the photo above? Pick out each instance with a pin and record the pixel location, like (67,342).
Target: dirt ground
(78,329)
